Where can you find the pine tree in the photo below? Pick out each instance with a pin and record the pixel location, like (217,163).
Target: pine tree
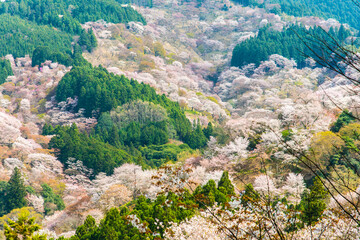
(205,195)
(15,192)
(3,185)
(209,131)
(93,40)
(249,196)
(40,55)
(225,186)
(313,203)
(85,230)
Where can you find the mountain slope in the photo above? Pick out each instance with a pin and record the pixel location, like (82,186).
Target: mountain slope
(345,11)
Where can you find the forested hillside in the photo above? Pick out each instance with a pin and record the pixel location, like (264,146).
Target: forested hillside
(167,120)
(345,11)
(20,37)
(138,117)
(68,14)
(291,43)
(5,70)
(26,25)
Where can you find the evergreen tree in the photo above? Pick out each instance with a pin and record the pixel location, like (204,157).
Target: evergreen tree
(87,229)
(15,192)
(225,186)
(344,119)
(209,131)
(345,11)
(249,196)
(51,199)
(313,204)
(5,70)
(205,195)
(286,43)
(40,55)
(92,40)
(3,186)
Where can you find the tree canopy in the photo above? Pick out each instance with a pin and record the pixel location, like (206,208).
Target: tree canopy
(286,43)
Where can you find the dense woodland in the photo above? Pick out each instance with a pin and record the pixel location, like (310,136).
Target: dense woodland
(103,153)
(5,70)
(26,25)
(145,3)
(20,37)
(135,123)
(99,91)
(94,154)
(286,43)
(67,15)
(326,9)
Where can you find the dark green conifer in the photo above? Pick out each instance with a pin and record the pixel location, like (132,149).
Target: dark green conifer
(15,192)
(225,186)
(313,203)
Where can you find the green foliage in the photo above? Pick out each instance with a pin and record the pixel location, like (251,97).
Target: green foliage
(154,216)
(68,14)
(88,39)
(5,70)
(249,196)
(225,186)
(313,204)
(196,138)
(103,156)
(50,198)
(339,148)
(139,124)
(15,192)
(48,129)
(87,229)
(344,119)
(92,152)
(41,54)
(148,219)
(110,11)
(116,224)
(286,43)
(68,58)
(287,134)
(28,24)
(144,3)
(30,190)
(136,123)
(21,37)
(209,130)
(246,3)
(346,11)
(23,228)
(3,186)
(167,209)
(208,194)
(99,91)
(156,155)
